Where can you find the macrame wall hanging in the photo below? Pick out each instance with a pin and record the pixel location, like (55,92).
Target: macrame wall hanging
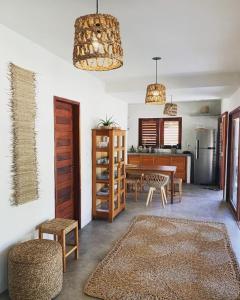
(23,116)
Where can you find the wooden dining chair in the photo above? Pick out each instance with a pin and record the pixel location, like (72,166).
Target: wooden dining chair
(134,180)
(177,187)
(158,183)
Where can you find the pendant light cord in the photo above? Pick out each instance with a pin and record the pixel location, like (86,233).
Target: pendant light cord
(97,6)
(156,70)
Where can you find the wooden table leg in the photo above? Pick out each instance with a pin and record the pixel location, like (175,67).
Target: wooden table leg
(172,187)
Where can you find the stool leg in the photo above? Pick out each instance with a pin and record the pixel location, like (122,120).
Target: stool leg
(76,241)
(40,234)
(63,240)
(180,191)
(136,191)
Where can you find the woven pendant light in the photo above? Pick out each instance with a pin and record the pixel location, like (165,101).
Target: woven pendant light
(156,93)
(170,109)
(97,43)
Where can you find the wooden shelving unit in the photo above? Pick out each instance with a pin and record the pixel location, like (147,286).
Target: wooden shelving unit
(108,172)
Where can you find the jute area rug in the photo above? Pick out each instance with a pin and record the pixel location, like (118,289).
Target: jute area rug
(164,258)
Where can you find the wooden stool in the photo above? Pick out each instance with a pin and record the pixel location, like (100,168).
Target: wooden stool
(60,228)
(177,182)
(134,183)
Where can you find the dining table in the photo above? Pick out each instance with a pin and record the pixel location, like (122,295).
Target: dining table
(157,169)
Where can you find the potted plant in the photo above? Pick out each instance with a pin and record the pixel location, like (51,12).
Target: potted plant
(107,123)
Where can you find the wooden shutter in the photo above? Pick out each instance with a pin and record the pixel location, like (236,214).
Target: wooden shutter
(172,132)
(149,132)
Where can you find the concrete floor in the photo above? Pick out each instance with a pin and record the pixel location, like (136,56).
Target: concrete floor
(98,236)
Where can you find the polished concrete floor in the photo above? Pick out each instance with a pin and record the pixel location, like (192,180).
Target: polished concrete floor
(97,237)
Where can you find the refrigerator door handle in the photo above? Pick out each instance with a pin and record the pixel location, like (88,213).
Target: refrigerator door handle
(197,149)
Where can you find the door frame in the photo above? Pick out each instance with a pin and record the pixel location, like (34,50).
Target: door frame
(76,155)
(229,164)
(222,168)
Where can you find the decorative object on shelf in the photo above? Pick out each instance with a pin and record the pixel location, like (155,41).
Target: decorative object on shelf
(23,115)
(170,109)
(97,43)
(107,123)
(204,109)
(132,149)
(156,92)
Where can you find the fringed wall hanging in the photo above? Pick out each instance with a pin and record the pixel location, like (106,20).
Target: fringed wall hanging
(24,155)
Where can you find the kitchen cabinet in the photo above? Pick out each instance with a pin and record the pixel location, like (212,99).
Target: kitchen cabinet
(180,161)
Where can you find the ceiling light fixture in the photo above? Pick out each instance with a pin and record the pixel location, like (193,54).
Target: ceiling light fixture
(97,43)
(156,93)
(170,109)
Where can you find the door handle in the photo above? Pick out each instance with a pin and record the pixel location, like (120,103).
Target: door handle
(197,150)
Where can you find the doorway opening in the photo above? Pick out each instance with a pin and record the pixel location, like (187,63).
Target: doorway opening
(233,186)
(67,159)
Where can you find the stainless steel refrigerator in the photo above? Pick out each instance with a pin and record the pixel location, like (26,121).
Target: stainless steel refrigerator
(205,157)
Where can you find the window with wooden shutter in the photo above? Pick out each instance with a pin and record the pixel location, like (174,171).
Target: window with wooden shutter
(160,132)
(149,132)
(172,132)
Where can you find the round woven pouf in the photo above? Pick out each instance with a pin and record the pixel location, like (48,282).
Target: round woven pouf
(35,270)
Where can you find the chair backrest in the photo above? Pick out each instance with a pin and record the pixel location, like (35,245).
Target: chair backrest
(157,180)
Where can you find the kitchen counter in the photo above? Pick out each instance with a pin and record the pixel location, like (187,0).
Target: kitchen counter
(180,160)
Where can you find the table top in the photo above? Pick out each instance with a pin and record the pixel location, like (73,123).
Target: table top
(154,168)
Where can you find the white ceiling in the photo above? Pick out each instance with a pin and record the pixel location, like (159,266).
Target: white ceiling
(197,39)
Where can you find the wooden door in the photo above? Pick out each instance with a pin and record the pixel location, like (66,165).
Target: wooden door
(234,162)
(223,126)
(67,167)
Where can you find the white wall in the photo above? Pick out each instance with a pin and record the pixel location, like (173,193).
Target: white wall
(185,109)
(54,77)
(231,103)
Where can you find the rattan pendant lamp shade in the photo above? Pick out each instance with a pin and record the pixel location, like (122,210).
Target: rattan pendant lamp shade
(170,109)
(156,92)
(97,43)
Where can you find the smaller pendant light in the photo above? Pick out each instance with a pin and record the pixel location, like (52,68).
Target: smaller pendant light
(97,43)
(156,93)
(170,109)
